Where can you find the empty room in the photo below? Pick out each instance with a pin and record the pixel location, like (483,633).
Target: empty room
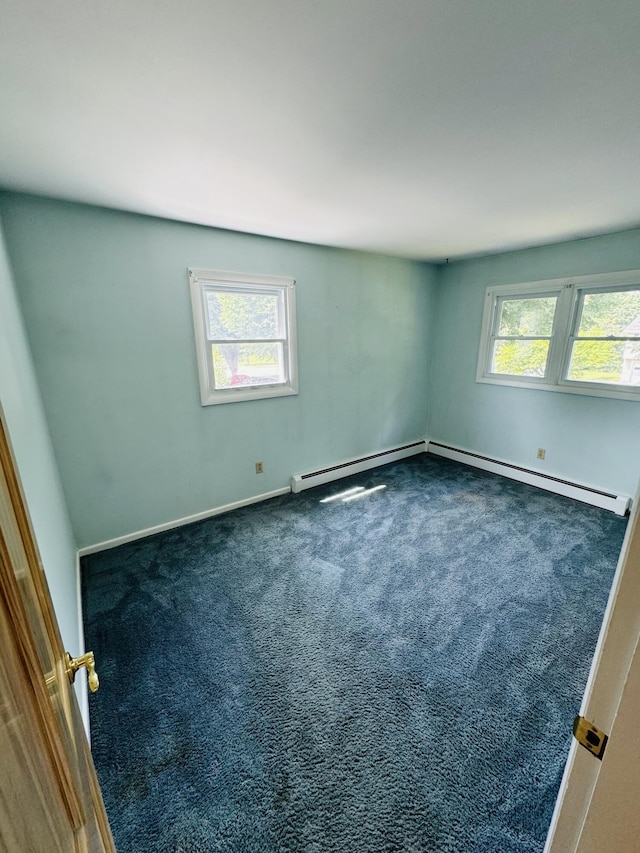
(320,427)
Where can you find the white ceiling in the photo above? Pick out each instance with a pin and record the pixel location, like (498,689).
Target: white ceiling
(423,128)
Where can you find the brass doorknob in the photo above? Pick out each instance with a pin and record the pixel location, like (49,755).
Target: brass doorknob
(88,660)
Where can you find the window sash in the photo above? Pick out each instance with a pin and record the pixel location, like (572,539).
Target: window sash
(247,341)
(580,298)
(282,341)
(525,297)
(497,302)
(281,365)
(531,377)
(605,338)
(580,295)
(229,288)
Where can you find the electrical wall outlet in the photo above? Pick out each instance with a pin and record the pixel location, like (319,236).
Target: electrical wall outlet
(259,468)
(541,453)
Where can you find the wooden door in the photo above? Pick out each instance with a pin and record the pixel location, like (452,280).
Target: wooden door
(611,675)
(612,822)
(50,801)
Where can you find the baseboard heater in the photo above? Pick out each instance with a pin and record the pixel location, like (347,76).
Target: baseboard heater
(587,494)
(354,466)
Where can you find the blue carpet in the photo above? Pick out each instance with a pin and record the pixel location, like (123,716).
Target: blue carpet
(398,673)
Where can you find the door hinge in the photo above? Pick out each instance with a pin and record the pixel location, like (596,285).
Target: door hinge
(589,736)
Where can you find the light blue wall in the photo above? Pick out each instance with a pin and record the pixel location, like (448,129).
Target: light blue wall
(106,303)
(29,436)
(592,440)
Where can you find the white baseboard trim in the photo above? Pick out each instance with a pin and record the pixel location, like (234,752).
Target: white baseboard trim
(587,494)
(180,522)
(299,482)
(580,492)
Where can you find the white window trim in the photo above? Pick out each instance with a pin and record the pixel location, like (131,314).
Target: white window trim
(568,291)
(209,395)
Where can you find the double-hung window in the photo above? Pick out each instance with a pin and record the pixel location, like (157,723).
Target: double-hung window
(579,335)
(522,334)
(245,335)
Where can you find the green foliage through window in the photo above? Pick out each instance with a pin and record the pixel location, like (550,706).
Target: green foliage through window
(520,358)
(604,315)
(242,316)
(527,317)
(524,330)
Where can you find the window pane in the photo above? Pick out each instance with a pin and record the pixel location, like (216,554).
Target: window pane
(616,313)
(520,358)
(616,362)
(236,365)
(527,316)
(238,316)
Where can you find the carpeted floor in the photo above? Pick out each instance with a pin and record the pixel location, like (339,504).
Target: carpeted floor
(396,673)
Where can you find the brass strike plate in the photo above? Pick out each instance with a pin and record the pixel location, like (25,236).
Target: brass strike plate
(589,736)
